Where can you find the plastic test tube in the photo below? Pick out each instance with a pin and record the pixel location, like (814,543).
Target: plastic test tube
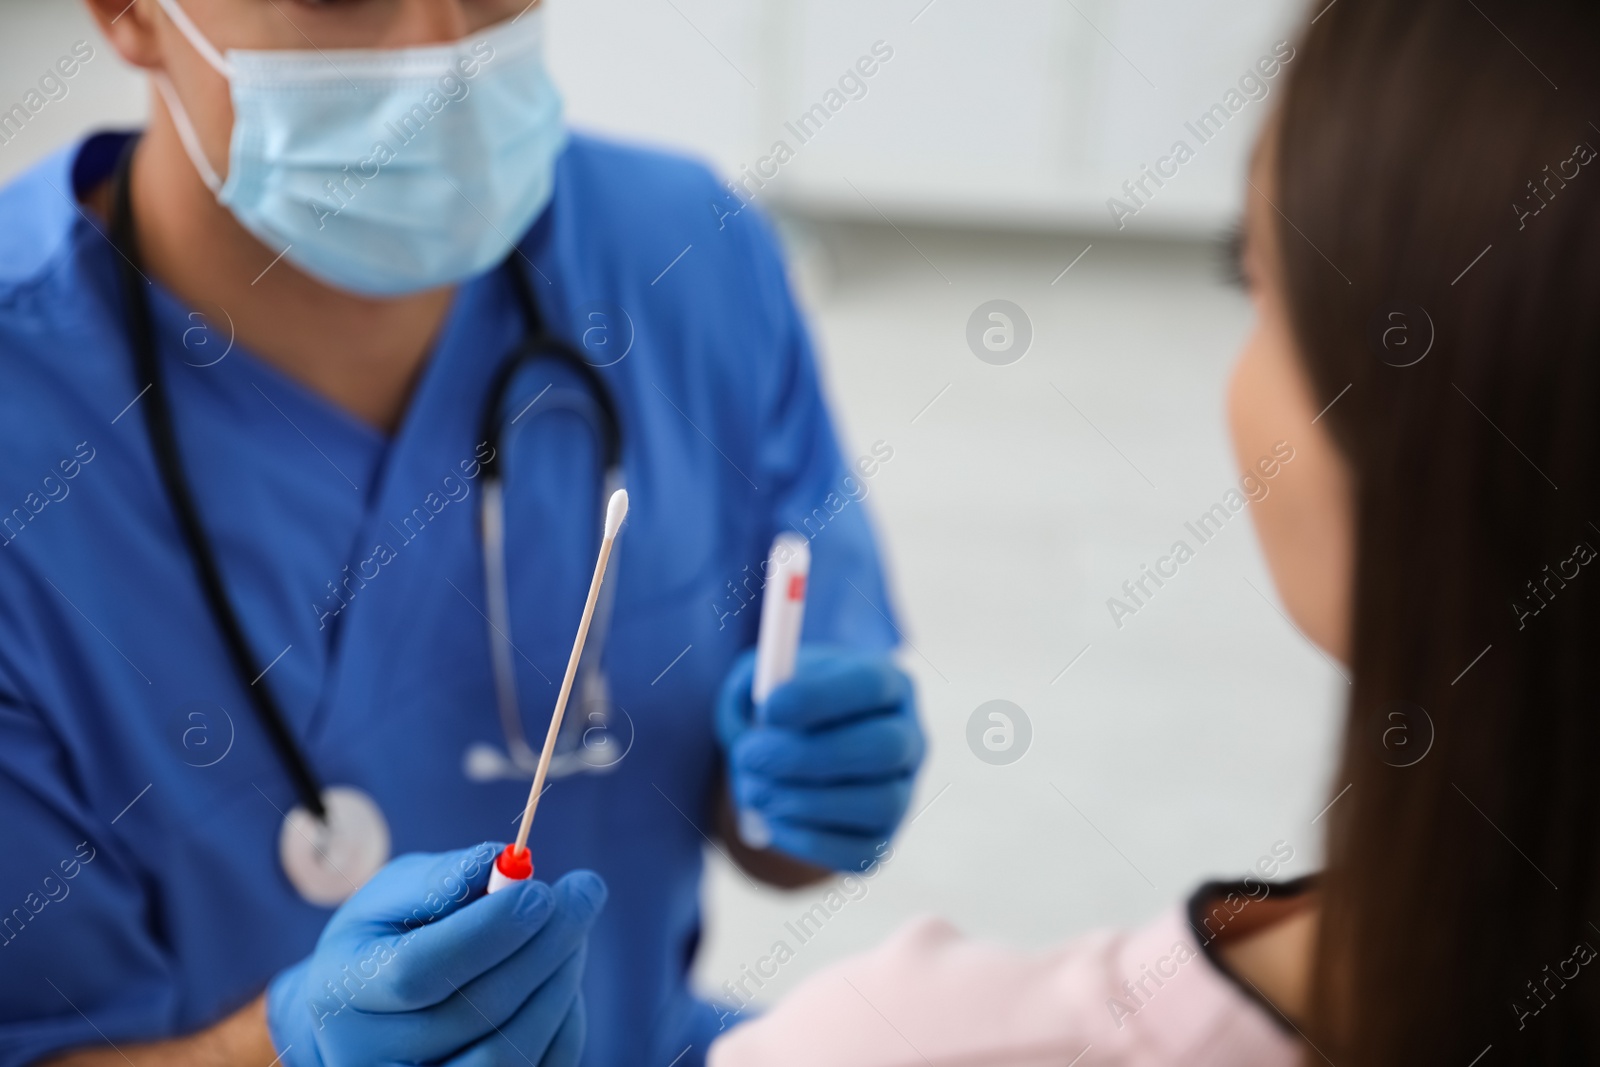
(510,866)
(783,609)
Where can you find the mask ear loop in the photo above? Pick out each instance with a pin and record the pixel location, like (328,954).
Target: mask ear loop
(187,134)
(208,51)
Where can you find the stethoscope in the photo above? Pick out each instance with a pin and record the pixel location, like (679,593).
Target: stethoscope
(337,838)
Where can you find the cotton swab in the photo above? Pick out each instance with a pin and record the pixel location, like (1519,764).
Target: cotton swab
(783,610)
(515,864)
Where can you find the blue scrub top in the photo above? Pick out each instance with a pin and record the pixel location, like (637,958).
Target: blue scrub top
(140,802)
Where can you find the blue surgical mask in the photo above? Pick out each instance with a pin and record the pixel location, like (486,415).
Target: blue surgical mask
(386,171)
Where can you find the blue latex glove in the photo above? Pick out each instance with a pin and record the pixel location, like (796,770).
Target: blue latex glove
(831,763)
(420,967)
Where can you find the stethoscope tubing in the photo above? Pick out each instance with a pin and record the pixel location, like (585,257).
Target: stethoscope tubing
(538,343)
(164,444)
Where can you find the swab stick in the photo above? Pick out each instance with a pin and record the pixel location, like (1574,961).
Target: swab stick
(514,864)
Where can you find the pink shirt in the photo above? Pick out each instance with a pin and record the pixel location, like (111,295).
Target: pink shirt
(930,996)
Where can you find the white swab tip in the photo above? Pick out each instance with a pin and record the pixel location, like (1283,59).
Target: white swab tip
(616,511)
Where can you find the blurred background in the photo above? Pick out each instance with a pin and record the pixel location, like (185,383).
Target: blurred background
(1040,458)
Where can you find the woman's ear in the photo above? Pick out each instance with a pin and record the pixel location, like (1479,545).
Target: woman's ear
(130,26)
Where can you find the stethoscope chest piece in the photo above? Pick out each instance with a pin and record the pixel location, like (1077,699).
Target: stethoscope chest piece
(328,861)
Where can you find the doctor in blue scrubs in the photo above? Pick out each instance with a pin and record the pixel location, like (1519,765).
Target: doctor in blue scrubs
(311,396)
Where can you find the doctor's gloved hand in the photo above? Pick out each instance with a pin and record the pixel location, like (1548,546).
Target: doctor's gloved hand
(420,966)
(830,761)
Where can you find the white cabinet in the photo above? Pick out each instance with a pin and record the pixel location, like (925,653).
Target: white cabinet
(1009,112)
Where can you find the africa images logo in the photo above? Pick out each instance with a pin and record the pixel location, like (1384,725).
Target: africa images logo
(999,732)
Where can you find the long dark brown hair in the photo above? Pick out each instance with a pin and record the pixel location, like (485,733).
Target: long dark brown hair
(1439,191)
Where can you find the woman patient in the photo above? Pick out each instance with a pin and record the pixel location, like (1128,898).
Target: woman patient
(1422,245)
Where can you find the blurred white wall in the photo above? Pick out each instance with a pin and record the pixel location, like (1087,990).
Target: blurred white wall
(1014,112)
(1025,113)
(104,92)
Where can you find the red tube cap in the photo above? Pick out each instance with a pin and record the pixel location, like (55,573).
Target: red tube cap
(515,865)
